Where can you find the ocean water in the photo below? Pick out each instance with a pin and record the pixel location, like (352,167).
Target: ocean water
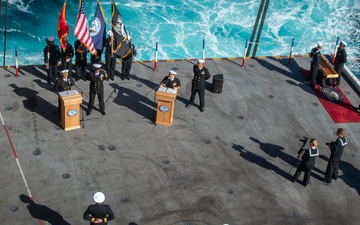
(180,26)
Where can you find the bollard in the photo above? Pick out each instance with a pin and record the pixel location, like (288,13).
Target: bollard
(16,63)
(156,56)
(335,49)
(203,49)
(245,50)
(291,50)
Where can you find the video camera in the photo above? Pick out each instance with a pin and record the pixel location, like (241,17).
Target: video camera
(330,144)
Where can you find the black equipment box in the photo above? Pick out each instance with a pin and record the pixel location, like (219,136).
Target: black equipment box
(217,83)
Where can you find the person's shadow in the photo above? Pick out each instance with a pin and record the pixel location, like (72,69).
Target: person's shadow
(43,212)
(351,175)
(133,101)
(260,161)
(35,103)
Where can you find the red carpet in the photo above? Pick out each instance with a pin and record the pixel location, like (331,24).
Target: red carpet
(342,111)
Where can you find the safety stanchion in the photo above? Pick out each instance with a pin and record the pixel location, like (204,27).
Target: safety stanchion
(203,49)
(16,63)
(156,56)
(244,58)
(291,50)
(334,53)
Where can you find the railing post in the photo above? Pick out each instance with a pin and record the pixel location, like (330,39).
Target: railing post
(291,50)
(203,49)
(244,57)
(334,53)
(156,56)
(16,63)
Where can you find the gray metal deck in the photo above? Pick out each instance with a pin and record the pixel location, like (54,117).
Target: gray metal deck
(227,165)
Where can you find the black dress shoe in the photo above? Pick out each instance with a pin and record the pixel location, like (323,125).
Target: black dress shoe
(202,109)
(122,78)
(103,112)
(111,78)
(88,113)
(188,105)
(127,78)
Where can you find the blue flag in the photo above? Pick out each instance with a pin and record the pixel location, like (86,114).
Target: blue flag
(98,28)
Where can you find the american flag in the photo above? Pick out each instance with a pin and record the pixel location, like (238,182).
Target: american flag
(82,30)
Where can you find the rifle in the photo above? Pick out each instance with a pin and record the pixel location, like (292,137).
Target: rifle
(304,141)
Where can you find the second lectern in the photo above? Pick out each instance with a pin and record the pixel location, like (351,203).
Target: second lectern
(165,106)
(70,109)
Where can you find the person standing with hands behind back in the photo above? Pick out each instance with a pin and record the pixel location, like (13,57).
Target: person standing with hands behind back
(307,161)
(99,213)
(198,83)
(337,149)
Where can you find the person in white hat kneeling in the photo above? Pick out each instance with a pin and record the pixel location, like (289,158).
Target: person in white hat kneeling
(99,213)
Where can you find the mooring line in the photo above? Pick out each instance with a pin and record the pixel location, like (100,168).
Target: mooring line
(21,171)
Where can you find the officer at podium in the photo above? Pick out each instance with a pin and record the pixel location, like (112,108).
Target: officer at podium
(96,88)
(64,83)
(171,81)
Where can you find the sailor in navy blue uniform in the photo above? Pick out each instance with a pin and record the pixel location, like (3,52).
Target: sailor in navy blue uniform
(99,213)
(66,56)
(198,83)
(171,81)
(80,60)
(64,83)
(126,62)
(337,149)
(340,60)
(52,59)
(97,88)
(110,57)
(307,161)
(315,56)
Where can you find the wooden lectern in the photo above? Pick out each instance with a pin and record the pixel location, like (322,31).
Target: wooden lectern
(70,109)
(165,106)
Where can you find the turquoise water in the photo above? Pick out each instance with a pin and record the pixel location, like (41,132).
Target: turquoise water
(179,26)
